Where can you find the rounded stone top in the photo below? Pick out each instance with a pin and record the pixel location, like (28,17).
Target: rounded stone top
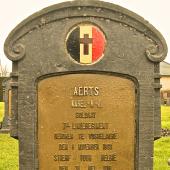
(16,51)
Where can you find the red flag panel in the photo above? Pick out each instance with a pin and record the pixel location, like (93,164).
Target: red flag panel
(98,44)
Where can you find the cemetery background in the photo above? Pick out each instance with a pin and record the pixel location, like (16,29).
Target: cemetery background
(9,146)
(4,72)
(165,81)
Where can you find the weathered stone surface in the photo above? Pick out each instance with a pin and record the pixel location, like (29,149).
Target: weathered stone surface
(133,51)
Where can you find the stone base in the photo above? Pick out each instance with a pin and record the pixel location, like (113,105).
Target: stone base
(168,102)
(4,127)
(4,131)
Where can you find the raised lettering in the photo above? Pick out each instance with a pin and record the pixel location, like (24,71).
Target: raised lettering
(63,136)
(90,125)
(111,157)
(103,136)
(63,167)
(63,146)
(86,91)
(88,147)
(62,158)
(85,158)
(85,115)
(91,168)
(107,146)
(107,168)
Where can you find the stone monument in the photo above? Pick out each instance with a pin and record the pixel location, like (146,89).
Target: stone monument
(5,124)
(85,88)
(1,88)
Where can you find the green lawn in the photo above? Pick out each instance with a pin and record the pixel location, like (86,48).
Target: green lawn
(162,154)
(1,110)
(9,147)
(165,116)
(8,153)
(162,146)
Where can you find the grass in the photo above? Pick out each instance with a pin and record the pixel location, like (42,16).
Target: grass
(165,116)
(161,146)
(8,149)
(8,153)
(9,146)
(162,154)
(1,110)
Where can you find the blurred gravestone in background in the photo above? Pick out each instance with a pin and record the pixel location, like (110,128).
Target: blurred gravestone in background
(1,88)
(165,82)
(3,74)
(5,124)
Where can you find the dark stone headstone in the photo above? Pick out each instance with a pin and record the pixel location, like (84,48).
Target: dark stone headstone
(168,102)
(5,124)
(85,88)
(1,88)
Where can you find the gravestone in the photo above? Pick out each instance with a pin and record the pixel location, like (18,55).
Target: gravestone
(1,88)
(168,102)
(85,88)
(5,124)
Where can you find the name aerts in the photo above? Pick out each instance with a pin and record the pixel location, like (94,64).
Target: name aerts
(86,91)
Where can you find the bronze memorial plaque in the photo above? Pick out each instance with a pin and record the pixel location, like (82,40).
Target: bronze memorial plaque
(86,122)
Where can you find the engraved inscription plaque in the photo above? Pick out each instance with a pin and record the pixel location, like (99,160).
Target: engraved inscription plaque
(86,122)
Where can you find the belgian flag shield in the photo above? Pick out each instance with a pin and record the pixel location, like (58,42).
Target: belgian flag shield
(86,44)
